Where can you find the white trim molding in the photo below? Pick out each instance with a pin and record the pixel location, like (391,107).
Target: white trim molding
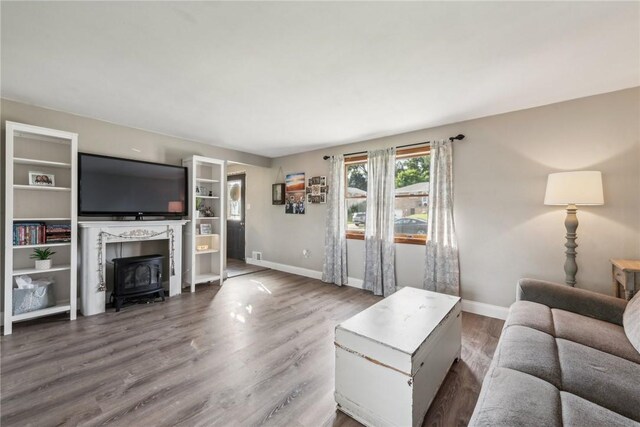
(481,308)
(286,268)
(306,272)
(484,309)
(355,283)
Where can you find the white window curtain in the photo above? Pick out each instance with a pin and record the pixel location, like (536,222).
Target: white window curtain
(334,269)
(380,251)
(442,273)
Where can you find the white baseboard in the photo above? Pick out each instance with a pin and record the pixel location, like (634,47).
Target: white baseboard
(483,309)
(469,306)
(306,272)
(355,283)
(286,268)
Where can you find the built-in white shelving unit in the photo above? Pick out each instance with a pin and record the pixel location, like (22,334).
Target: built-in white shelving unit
(206,189)
(36,149)
(36,188)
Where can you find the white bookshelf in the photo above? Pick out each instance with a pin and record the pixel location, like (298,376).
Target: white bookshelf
(21,271)
(36,188)
(31,148)
(41,245)
(205,265)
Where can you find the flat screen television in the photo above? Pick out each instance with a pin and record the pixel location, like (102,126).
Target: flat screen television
(111,186)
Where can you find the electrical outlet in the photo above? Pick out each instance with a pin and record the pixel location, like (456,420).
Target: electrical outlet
(306,253)
(257,256)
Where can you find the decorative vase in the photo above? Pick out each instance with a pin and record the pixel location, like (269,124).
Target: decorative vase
(43,264)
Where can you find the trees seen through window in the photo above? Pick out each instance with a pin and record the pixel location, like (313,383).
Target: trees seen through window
(411,199)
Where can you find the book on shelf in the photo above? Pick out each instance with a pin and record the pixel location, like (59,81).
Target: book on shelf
(58,233)
(29,233)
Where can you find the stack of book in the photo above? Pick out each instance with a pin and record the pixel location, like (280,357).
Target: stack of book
(58,233)
(29,233)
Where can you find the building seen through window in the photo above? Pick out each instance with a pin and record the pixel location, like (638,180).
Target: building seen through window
(411,195)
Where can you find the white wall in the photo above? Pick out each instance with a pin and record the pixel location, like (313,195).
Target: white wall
(99,137)
(504,230)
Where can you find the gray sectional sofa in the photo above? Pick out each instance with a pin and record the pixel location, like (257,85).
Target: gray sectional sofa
(566,357)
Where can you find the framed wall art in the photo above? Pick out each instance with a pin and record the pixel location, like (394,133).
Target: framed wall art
(277,194)
(294,193)
(317,189)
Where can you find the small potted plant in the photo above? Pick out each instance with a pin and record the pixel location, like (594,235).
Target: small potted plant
(199,203)
(43,258)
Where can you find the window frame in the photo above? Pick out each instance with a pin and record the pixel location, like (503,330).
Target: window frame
(400,154)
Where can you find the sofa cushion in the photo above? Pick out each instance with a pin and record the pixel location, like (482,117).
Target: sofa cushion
(577,411)
(631,321)
(581,301)
(512,398)
(595,333)
(529,351)
(531,314)
(602,378)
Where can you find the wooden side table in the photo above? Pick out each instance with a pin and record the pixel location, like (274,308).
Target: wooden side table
(626,274)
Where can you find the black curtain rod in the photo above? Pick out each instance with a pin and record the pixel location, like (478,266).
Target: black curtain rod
(458,137)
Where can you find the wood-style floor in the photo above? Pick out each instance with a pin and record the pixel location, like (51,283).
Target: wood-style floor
(236,267)
(258,351)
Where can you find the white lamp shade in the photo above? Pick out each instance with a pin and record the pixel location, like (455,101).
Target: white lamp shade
(574,188)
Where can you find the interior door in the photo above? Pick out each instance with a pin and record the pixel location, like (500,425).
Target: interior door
(236,196)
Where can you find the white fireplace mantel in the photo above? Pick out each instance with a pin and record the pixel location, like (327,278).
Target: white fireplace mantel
(94,237)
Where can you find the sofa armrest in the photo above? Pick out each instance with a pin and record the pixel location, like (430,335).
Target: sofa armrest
(580,301)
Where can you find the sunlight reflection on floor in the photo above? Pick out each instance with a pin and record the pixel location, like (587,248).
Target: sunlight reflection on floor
(261,287)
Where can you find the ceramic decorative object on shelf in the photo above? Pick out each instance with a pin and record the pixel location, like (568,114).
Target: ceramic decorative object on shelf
(43,258)
(43,264)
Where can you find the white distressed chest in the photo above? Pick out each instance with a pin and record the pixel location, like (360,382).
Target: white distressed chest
(392,357)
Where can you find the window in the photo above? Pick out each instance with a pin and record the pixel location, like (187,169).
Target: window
(356,193)
(234,195)
(411,200)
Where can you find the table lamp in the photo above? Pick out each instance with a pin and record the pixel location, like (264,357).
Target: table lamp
(573,189)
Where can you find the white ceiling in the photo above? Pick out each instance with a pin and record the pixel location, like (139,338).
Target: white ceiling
(280,78)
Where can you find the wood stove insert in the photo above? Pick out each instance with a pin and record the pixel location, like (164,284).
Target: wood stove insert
(136,278)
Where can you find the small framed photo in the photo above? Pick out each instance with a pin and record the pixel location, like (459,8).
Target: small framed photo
(42,179)
(205,228)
